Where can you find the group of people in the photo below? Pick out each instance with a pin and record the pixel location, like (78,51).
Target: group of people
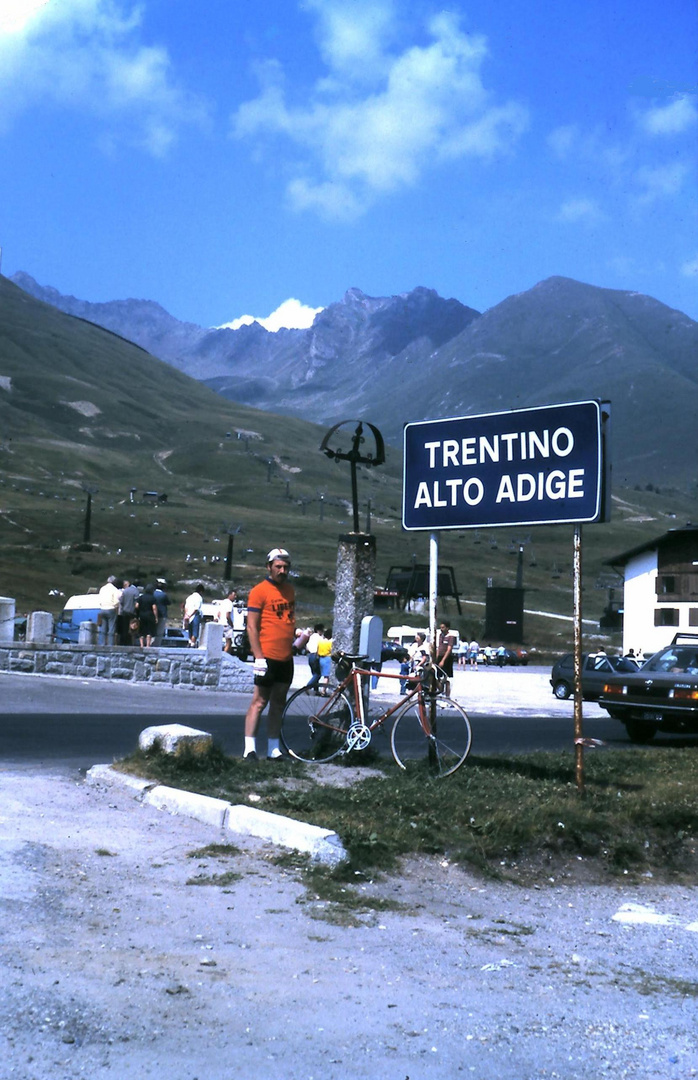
(193,616)
(128,613)
(319,649)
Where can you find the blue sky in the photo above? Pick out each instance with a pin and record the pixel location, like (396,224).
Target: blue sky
(223,156)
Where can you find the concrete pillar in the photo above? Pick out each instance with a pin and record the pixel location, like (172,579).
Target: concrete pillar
(87,633)
(356,577)
(212,638)
(40,627)
(7,619)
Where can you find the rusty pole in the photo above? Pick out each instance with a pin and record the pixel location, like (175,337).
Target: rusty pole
(578,718)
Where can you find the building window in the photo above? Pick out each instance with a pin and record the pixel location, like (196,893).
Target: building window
(693,616)
(667,584)
(666,616)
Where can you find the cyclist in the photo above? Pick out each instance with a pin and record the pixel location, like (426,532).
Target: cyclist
(272,631)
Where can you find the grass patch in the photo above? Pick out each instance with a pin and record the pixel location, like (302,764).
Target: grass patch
(511,816)
(215,851)
(226,878)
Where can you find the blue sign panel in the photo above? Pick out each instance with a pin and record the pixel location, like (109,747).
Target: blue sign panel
(529,467)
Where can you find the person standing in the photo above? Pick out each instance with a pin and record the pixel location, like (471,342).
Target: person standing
(192,616)
(324,653)
(446,641)
(162,603)
(313,658)
(147,611)
(271,630)
(109,597)
(224,618)
(127,612)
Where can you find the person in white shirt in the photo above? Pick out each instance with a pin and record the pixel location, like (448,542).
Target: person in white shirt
(192,616)
(224,617)
(109,597)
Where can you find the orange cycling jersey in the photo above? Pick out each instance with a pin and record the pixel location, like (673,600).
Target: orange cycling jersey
(277,623)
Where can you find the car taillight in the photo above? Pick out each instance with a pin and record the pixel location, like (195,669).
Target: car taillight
(684,695)
(613,688)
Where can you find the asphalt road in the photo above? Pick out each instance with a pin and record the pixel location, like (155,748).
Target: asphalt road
(65,725)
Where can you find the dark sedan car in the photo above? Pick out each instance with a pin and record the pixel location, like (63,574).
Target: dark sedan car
(393,650)
(596,668)
(661,696)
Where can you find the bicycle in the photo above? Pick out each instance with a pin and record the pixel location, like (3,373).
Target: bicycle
(429,727)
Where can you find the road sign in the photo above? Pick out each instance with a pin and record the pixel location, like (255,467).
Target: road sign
(537,466)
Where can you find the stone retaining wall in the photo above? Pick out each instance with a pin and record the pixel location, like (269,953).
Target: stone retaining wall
(185,669)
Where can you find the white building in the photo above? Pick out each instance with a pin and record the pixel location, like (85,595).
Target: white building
(661,589)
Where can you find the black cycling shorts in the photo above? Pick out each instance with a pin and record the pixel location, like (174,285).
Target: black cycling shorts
(278,671)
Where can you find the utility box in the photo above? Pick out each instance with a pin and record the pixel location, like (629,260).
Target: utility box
(504,614)
(371,638)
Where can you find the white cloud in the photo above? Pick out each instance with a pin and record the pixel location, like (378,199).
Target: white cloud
(563,140)
(690,268)
(580,211)
(672,119)
(659,182)
(375,126)
(16,14)
(88,56)
(292,314)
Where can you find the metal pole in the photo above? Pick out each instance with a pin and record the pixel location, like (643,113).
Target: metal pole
(229,559)
(88,519)
(578,719)
(355,497)
(433,588)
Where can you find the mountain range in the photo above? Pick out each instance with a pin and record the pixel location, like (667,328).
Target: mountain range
(418,356)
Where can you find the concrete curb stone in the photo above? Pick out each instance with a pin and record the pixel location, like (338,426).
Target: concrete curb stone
(323,845)
(106,774)
(176,801)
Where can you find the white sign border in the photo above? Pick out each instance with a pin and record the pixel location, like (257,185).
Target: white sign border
(510,524)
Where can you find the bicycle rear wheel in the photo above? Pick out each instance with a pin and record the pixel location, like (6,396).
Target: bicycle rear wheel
(433,735)
(313,729)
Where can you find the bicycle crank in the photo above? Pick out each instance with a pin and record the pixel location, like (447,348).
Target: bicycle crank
(358,737)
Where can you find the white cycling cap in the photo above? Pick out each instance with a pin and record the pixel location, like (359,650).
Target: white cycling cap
(278,553)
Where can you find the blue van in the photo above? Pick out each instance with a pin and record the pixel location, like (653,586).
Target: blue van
(78,609)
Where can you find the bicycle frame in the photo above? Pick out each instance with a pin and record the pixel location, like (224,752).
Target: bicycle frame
(353,682)
(427,724)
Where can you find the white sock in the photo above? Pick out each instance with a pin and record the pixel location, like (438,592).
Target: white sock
(250,745)
(273,748)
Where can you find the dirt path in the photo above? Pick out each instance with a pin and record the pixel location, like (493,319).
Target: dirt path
(114,966)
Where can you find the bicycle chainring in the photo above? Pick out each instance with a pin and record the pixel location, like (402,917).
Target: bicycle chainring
(358,737)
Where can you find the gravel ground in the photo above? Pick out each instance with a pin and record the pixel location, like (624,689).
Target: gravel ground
(114,966)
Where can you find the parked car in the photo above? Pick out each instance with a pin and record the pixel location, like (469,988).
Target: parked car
(662,695)
(512,657)
(596,668)
(406,635)
(393,650)
(175,638)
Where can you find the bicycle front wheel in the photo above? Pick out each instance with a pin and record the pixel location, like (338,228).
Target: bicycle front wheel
(432,734)
(314,729)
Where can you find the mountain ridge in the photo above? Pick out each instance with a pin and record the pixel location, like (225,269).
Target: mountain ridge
(414,356)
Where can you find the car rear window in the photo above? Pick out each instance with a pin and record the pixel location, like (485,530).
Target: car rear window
(675,659)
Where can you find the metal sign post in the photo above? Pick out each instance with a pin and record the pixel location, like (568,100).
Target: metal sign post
(433,588)
(578,720)
(548,465)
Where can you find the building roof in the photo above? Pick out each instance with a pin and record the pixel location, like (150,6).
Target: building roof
(650,545)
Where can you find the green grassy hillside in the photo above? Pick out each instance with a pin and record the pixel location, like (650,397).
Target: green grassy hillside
(81,407)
